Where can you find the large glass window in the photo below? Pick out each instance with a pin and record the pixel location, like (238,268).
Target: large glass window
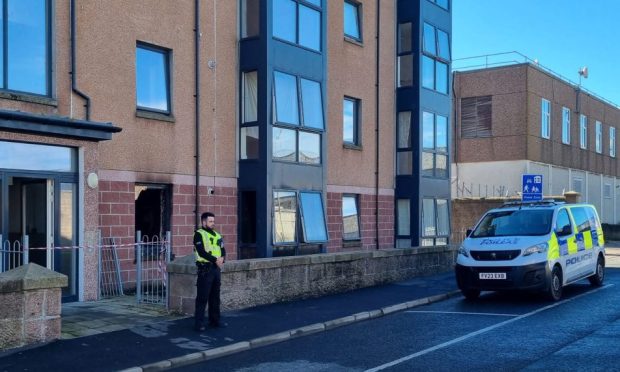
(350,121)
(404,38)
(565,125)
(152,78)
(583,130)
(25,31)
(284,217)
(313,217)
(284,146)
(404,130)
(599,137)
(35,157)
(352,20)
(612,141)
(250,24)
(350,218)
(297,23)
(435,59)
(434,145)
(312,104)
(403,215)
(249,143)
(442,3)
(435,221)
(309,148)
(286,98)
(404,163)
(545,119)
(405,70)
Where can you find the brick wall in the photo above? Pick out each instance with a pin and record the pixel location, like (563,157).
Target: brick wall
(367,222)
(117,219)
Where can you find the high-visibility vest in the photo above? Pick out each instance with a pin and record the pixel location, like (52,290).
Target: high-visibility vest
(211,243)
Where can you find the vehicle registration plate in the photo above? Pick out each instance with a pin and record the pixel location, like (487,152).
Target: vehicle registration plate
(492,275)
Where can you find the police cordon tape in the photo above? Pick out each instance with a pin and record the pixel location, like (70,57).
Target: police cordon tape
(99,246)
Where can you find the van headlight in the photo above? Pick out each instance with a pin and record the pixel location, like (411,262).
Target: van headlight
(538,248)
(463,251)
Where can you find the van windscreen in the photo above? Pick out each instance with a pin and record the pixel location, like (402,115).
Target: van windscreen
(528,222)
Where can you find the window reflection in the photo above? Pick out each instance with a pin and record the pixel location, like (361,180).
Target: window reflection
(309,148)
(284,144)
(350,219)
(27,156)
(285,216)
(313,217)
(312,103)
(152,79)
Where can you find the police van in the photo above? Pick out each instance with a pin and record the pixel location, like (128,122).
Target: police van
(541,246)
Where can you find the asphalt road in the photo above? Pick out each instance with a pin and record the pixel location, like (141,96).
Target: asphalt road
(512,331)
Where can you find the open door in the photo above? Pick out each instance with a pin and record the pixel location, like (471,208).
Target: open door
(37,212)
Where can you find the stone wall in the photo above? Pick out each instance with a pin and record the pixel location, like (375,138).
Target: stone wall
(30,306)
(255,282)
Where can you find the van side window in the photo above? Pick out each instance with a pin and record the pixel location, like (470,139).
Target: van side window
(594,222)
(562,224)
(581,218)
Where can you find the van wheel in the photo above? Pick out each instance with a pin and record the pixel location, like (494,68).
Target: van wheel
(599,276)
(555,287)
(471,294)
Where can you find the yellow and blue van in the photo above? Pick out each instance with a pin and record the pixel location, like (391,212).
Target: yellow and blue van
(532,246)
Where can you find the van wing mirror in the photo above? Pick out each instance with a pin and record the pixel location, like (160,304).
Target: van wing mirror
(566,230)
(468,233)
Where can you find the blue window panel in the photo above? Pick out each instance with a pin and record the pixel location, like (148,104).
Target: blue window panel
(429,39)
(348,121)
(444,44)
(428,131)
(28,156)
(286,98)
(428,72)
(152,79)
(284,20)
(27,64)
(313,217)
(442,133)
(309,148)
(350,218)
(312,104)
(314,2)
(284,144)
(351,20)
(309,28)
(443,3)
(441,77)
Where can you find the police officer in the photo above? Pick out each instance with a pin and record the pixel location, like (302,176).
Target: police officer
(210,256)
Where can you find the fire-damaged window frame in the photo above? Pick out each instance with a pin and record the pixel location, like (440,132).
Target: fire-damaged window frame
(477,117)
(165,214)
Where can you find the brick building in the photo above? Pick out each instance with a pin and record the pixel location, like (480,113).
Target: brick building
(523,118)
(299,123)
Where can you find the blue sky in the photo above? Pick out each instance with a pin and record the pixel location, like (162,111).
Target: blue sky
(563,35)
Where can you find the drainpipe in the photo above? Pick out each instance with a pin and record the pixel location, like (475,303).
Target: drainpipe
(197,97)
(377,128)
(73,58)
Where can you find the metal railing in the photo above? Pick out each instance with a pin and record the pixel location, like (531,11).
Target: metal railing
(152,258)
(472,190)
(110,281)
(13,254)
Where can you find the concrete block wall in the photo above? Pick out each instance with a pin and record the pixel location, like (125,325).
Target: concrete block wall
(117,219)
(254,282)
(30,298)
(367,223)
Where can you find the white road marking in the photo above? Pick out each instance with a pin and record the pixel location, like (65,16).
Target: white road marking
(480,331)
(459,312)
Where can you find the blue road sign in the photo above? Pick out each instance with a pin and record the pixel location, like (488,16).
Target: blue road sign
(532,188)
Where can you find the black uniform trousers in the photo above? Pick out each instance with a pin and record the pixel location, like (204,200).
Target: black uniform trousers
(208,285)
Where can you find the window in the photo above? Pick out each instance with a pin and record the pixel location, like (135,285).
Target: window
(350,218)
(562,223)
(404,130)
(352,19)
(250,96)
(284,217)
(545,120)
(581,218)
(476,117)
(350,121)
(24,55)
(311,212)
(442,3)
(405,56)
(250,24)
(612,142)
(607,191)
(565,125)
(404,163)
(289,142)
(435,59)
(578,185)
(403,213)
(434,145)
(152,78)
(296,22)
(249,142)
(435,222)
(599,137)
(247,217)
(583,130)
